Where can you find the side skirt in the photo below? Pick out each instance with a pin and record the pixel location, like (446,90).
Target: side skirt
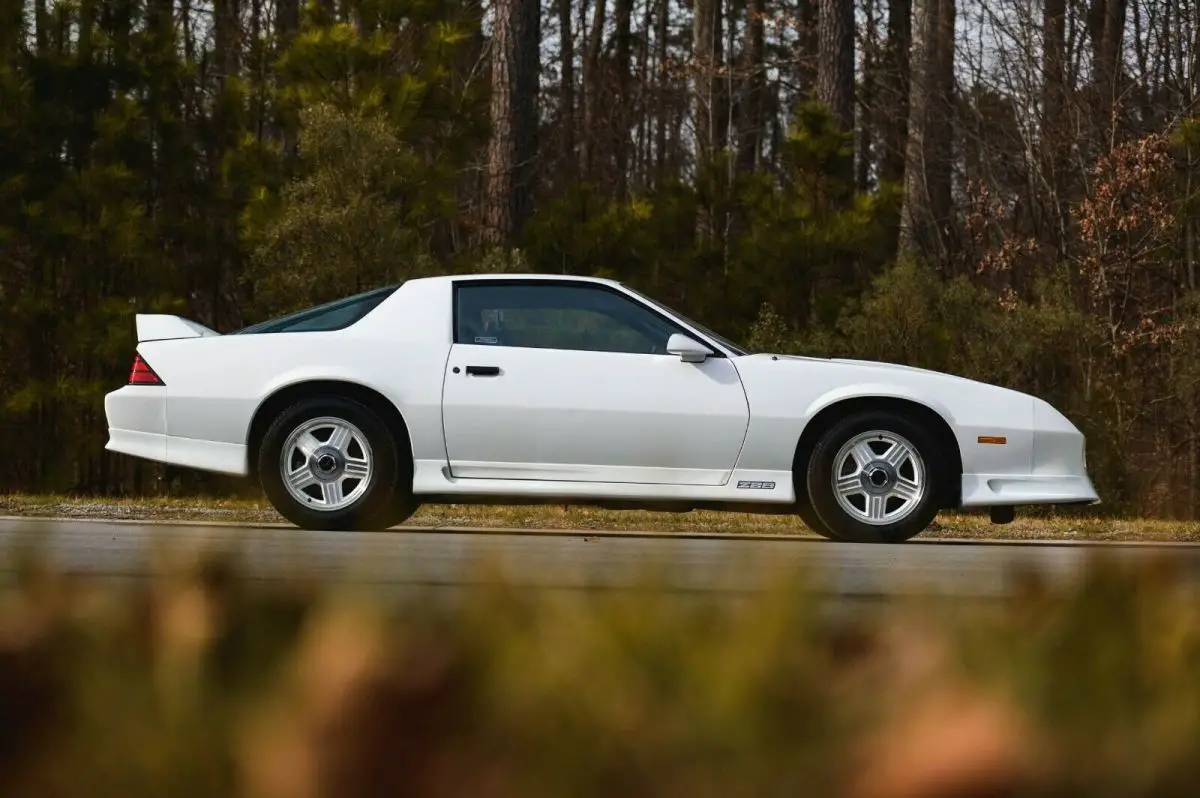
(649,505)
(756,491)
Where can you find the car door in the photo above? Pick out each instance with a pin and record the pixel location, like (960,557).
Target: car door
(571,381)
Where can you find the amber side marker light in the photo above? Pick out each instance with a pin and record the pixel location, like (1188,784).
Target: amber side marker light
(993,439)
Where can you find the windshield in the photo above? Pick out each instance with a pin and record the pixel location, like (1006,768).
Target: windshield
(725,342)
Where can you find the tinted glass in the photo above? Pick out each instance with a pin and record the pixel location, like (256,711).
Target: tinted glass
(730,345)
(563,316)
(336,315)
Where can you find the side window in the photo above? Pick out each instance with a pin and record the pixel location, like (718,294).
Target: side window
(335,315)
(566,316)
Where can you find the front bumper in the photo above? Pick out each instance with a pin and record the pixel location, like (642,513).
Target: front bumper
(1057,469)
(993,490)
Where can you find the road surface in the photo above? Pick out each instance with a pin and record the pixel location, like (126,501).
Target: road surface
(423,558)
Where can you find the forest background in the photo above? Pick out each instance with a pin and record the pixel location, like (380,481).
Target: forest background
(1004,189)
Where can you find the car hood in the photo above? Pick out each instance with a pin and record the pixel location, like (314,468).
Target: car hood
(796,384)
(878,371)
(870,365)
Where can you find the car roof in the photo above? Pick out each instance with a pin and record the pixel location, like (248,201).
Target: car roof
(485,276)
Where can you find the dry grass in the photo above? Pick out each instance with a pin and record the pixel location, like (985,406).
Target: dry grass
(1064,525)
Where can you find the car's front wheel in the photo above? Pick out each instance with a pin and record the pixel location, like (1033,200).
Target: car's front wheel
(332,463)
(809,516)
(875,477)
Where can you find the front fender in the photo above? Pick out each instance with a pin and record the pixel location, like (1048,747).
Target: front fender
(876,390)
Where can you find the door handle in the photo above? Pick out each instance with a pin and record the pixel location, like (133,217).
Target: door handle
(484,371)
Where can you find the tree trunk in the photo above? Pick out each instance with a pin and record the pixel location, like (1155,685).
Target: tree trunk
(704,37)
(751,117)
(720,79)
(894,90)
(622,105)
(226,15)
(662,112)
(1054,137)
(641,168)
(807,48)
(835,59)
(41,21)
(870,95)
(940,169)
(287,22)
(1054,21)
(567,90)
(227,43)
(926,217)
(915,206)
(513,142)
(592,87)
(1106,26)
(706,48)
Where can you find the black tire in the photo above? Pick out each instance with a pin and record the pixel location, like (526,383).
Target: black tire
(404,504)
(807,514)
(386,499)
(926,467)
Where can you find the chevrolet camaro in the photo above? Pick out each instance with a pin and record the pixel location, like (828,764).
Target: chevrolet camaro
(508,389)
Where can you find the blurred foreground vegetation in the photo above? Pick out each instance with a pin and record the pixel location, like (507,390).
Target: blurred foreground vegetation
(199,682)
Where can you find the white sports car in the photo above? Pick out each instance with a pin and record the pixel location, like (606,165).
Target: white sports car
(516,389)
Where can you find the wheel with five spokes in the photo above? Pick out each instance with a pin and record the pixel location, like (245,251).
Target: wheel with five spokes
(332,463)
(875,477)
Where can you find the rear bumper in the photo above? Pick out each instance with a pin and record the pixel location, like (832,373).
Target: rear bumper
(146,445)
(137,409)
(137,426)
(222,458)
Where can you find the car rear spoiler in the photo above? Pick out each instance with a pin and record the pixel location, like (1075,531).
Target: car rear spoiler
(164,327)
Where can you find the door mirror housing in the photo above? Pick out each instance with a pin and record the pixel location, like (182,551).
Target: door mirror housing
(688,349)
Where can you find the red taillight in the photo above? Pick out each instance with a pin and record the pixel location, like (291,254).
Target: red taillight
(142,374)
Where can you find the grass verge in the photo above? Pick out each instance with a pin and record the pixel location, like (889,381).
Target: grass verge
(1048,526)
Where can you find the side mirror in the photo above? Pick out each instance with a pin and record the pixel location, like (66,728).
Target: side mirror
(688,349)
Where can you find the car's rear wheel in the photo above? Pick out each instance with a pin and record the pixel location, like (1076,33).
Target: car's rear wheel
(876,477)
(332,463)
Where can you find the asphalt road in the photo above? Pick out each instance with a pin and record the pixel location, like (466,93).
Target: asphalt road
(706,564)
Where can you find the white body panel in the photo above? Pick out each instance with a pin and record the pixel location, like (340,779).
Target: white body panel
(567,423)
(555,415)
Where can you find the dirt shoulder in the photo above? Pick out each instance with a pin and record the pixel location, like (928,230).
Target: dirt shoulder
(1064,526)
